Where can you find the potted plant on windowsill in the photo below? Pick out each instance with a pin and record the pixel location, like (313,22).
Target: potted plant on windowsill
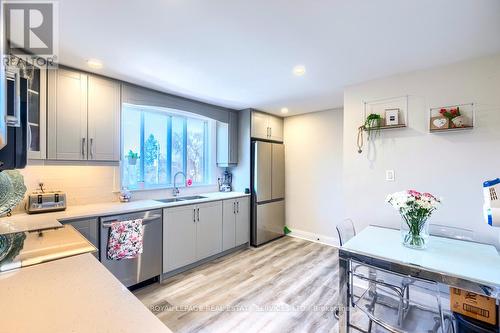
(372,124)
(132,157)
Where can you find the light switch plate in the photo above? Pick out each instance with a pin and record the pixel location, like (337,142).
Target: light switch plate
(390,175)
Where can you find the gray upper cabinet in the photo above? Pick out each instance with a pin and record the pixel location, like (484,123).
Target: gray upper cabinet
(260,125)
(266,126)
(83,117)
(67,115)
(179,237)
(88,228)
(227,141)
(276,128)
(103,119)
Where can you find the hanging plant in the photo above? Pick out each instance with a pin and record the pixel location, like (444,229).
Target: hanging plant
(372,125)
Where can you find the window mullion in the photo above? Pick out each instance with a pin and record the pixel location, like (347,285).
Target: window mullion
(184,150)
(169,150)
(141,171)
(205,153)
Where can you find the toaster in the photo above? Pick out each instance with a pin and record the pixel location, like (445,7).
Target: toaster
(45,201)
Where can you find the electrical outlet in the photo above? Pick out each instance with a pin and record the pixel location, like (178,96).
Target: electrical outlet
(390,175)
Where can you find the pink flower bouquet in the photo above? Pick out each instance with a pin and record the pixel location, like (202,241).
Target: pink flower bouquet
(415,208)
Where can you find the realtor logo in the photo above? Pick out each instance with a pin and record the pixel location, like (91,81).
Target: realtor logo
(31,29)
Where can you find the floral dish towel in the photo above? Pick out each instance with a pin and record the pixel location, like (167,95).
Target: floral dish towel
(125,240)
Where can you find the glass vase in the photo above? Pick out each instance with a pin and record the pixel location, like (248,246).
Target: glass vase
(415,233)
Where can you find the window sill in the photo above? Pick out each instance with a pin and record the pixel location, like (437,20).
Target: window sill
(162,188)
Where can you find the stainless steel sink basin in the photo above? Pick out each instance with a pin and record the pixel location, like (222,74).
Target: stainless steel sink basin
(169,200)
(193,197)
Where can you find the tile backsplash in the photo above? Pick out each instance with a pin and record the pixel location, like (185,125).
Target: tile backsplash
(83,184)
(89,184)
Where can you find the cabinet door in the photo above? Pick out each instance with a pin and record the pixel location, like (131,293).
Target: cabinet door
(263,170)
(179,237)
(89,229)
(222,144)
(209,229)
(260,125)
(37,114)
(103,119)
(276,128)
(278,171)
(233,138)
(67,113)
(242,220)
(228,224)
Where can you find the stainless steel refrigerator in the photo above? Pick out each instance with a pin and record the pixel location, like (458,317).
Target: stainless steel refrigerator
(268,191)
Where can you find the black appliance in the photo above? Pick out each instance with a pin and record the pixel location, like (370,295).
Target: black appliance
(14,154)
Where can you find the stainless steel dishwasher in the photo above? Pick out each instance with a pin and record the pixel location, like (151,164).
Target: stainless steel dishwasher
(149,263)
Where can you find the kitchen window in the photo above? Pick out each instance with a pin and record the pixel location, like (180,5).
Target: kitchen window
(158,143)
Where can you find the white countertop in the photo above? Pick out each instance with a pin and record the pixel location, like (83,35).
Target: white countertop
(75,294)
(25,222)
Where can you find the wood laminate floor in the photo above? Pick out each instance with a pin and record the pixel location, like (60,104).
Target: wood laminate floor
(288,285)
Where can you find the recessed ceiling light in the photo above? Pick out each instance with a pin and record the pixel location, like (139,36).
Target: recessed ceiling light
(284,110)
(94,63)
(299,70)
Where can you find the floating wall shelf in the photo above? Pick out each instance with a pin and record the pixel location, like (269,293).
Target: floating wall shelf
(439,123)
(385,106)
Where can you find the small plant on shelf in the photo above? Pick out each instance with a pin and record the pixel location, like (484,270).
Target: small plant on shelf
(372,124)
(132,157)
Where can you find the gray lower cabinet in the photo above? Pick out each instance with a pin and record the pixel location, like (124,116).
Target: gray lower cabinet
(228,224)
(235,222)
(88,228)
(242,221)
(191,233)
(209,229)
(179,237)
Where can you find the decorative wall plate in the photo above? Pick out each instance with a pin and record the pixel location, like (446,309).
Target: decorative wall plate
(12,190)
(10,246)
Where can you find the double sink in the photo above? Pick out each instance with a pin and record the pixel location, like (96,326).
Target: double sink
(194,197)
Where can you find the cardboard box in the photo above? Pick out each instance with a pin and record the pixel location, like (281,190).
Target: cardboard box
(473,305)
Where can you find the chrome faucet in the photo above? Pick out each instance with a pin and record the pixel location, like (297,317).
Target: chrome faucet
(175,190)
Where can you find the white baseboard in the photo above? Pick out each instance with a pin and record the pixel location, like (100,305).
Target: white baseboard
(317,238)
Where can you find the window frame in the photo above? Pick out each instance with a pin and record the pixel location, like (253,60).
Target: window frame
(170,114)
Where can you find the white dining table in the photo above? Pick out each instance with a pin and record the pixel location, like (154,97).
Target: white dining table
(462,264)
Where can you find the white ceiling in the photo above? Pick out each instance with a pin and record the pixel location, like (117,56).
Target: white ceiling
(240,53)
